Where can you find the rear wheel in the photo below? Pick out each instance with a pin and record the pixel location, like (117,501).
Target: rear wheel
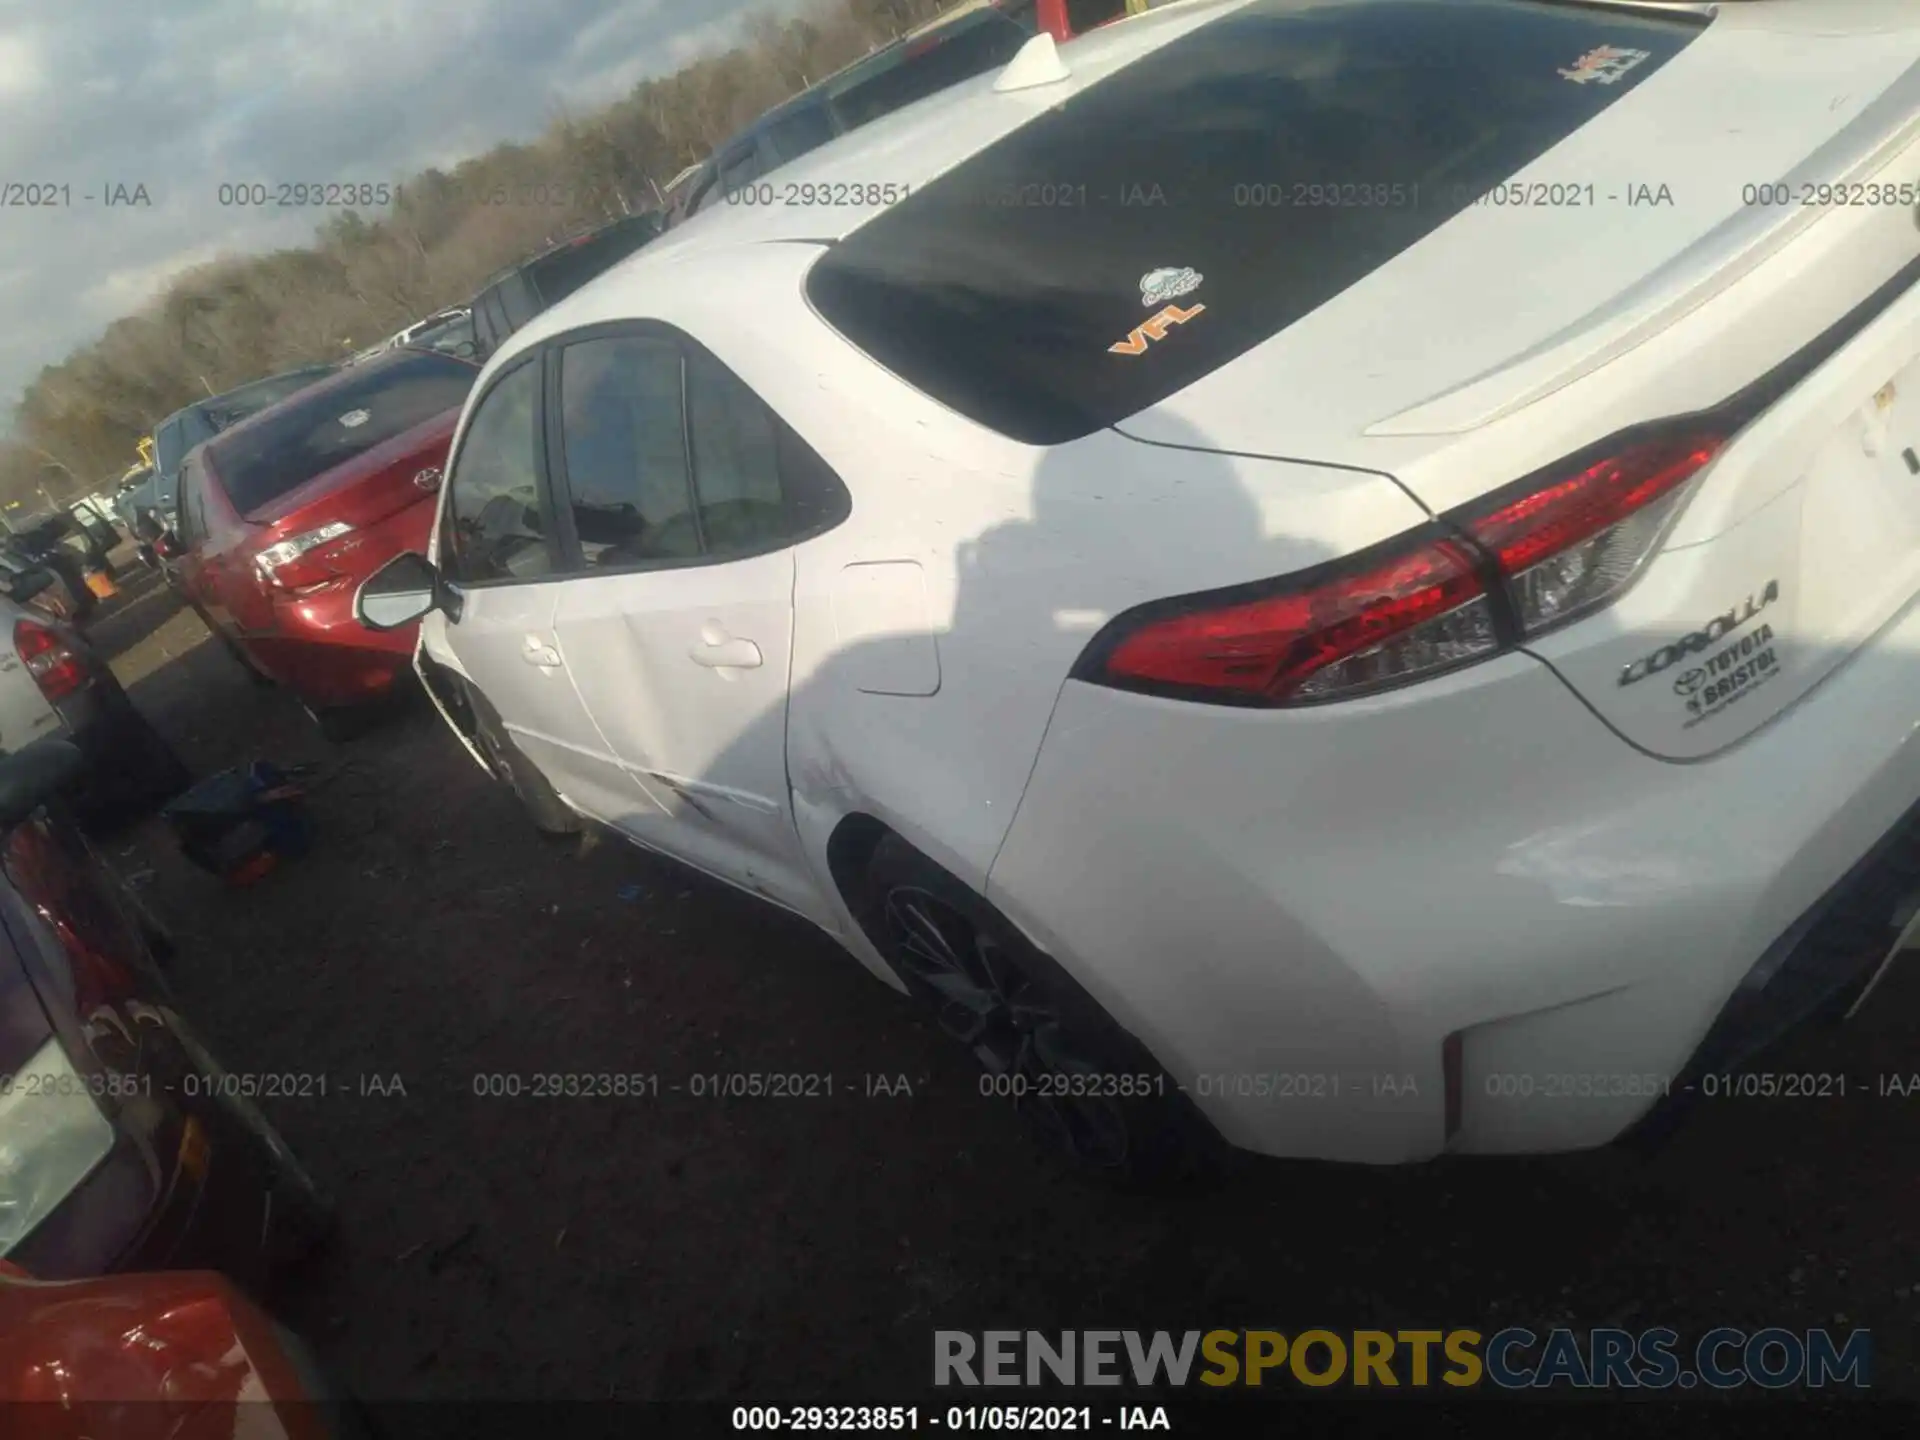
(1088,1090)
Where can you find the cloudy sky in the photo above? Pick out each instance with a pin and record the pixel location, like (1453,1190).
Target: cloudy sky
(181,95)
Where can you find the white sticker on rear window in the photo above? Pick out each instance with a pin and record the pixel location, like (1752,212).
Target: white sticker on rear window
(1605,65)
(1169,282)
(353,419)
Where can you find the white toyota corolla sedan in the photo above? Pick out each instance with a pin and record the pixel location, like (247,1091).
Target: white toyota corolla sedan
(1332,576)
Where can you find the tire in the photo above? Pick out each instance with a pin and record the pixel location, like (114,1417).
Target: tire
(1025,1018)
(548,813)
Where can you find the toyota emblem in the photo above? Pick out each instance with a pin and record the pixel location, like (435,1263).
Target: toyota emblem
(428,479)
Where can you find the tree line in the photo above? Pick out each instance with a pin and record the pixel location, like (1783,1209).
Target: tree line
(365,274)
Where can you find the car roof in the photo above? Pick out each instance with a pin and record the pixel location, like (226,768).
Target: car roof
(910,147)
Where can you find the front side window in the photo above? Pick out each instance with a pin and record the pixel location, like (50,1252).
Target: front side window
(494,528)
(170,444)
(628,479)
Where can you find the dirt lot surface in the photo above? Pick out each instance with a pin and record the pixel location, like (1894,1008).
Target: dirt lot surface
(678,1247)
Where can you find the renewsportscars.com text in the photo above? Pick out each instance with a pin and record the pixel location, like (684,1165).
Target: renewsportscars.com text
(1514,1358)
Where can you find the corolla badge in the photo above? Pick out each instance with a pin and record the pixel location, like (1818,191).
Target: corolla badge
(354,419)
(1169,282)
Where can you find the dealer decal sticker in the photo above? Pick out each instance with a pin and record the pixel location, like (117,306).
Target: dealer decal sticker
(1605,65)
(1154,327)
(1169,282)
(1728,676)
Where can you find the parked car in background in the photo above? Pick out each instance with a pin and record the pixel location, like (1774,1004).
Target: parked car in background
(53,683)
(175,1355)
(138,506)
(514,296)
(1038,595)
(187,427)
(93,519)
(284,514)
(451,333)
(928,60)
(124,1146)
(56,541)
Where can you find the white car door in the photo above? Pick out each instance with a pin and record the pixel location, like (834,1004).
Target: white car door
(498,552)
(678,631)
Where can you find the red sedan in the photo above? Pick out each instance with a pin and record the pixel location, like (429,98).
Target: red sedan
(285,514)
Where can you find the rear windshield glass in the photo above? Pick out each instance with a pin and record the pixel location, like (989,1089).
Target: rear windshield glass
(793,135)
(1245,173)
(284,448)
(560,274)
(982,41)
(236,405)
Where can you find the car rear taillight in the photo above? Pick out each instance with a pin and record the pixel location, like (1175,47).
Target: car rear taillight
(1570,546)
(55,665)
(279,564)
(1467,587)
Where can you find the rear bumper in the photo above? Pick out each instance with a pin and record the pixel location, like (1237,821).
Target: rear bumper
(1337,894)
(325,656)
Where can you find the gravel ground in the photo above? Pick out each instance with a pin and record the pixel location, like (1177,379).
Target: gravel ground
(676,1247)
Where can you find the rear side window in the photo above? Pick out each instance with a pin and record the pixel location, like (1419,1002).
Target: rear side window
(1223,187)
(313,433)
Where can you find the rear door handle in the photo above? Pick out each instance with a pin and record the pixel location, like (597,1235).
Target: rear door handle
(538,652)
(727,655)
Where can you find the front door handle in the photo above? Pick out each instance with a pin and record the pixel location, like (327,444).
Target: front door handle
(727,655)
(538,652)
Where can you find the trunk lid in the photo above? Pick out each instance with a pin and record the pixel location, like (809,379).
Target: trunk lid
(1765,124)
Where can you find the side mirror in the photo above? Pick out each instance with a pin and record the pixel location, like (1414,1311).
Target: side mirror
(23,586)
(405,589)
(167,546)
(31,777)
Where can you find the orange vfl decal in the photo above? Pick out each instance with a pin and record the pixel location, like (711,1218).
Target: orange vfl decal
(1154,328)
